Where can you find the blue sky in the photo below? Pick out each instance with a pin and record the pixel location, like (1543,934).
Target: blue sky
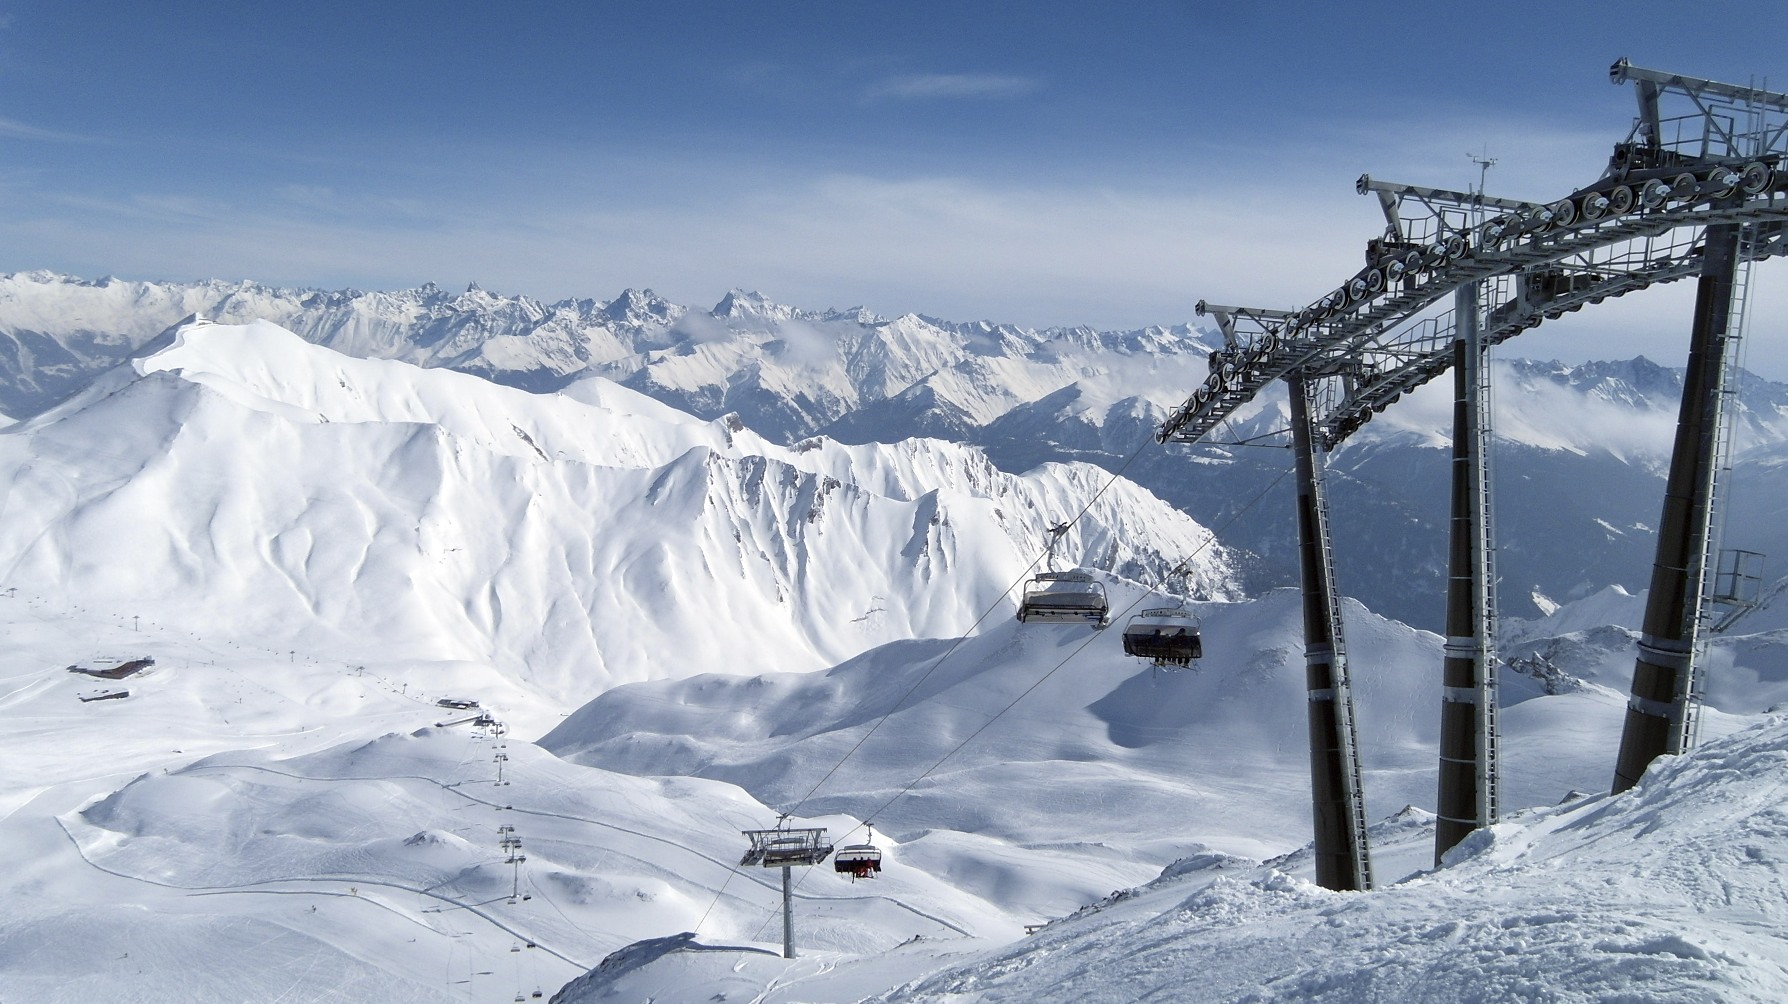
(1041,163)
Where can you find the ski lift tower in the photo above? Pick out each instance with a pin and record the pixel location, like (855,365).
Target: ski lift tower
(784,847)
(1722,136)
(1469,774)
(1700,193)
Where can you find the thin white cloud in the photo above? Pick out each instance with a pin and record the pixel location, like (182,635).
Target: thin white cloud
(928,86)
(19,130)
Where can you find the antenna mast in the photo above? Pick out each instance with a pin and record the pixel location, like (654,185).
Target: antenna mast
(1485,162)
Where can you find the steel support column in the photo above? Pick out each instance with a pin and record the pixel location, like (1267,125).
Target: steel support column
(1337,803)
(1667,639)
(788,915)
(1467,797)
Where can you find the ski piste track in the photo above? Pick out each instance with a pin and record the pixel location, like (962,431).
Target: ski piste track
(509,924)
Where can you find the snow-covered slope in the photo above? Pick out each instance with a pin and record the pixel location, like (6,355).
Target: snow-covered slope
(1048,736)
(246,826)
(1672,892)
(317,547)
(570,541)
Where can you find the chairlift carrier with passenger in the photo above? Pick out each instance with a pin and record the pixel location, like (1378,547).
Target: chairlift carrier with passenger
(1166,636)
(862,860)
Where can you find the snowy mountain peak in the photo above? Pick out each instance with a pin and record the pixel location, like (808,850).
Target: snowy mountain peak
(1638,382)
(739,303)
(638,307)
(860,316)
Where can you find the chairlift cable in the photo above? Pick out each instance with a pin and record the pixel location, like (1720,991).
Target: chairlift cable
(1252,440)
(879,812)
(1023,576)
(1070,656)
(960,639)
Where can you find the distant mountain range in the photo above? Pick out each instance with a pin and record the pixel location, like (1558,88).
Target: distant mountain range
(1581,449)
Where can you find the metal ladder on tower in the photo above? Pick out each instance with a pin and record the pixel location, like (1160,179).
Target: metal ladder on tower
(1344,702)
(1708,615)
(1490,740)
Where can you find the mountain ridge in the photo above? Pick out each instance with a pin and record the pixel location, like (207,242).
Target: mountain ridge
(1580,449)
(456,518)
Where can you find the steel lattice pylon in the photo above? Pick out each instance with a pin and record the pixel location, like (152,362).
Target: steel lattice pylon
(1642,223)
(1701,194)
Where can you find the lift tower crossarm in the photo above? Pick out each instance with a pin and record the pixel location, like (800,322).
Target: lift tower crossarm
(1417,353)
(1439,202)
(1724,159)
(1623,71)
(1387,343)
(1730,120)
(1226,317)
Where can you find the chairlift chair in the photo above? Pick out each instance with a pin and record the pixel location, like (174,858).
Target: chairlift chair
(1167,636)
(1073,596)
(858,860)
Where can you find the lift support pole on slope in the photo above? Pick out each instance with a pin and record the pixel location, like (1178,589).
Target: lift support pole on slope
(784,847)
(1337,799)
(1665,667)
(1468,734)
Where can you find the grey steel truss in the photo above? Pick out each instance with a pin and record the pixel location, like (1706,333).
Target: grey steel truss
(1386,330)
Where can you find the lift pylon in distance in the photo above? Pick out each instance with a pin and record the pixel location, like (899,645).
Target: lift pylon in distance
(785,847)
